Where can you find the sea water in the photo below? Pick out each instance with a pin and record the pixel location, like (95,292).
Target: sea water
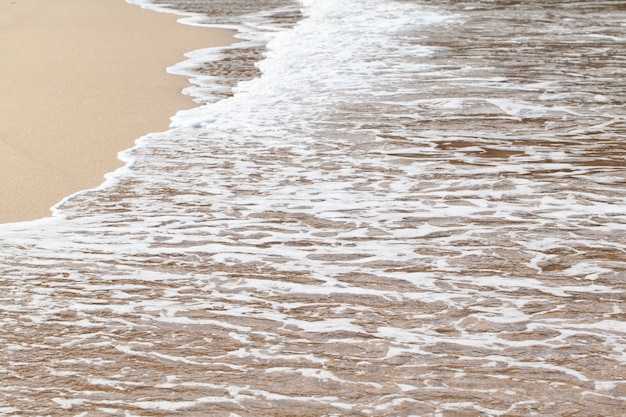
(382,208)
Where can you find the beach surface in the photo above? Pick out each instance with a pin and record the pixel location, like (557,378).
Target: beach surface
(80,82)
(403,208)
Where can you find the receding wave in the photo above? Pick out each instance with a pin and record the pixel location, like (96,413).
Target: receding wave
(412,208)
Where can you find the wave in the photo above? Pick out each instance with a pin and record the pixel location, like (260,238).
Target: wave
(409,210)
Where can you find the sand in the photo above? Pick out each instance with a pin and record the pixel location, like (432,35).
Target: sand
(81,80)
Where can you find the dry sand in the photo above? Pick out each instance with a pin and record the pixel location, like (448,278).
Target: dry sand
(81,80)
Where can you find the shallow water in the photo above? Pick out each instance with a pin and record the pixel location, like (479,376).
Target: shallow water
(418,209)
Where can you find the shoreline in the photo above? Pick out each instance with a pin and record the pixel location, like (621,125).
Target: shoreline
(84,82)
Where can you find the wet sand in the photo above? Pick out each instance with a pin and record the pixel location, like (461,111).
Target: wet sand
(84,80)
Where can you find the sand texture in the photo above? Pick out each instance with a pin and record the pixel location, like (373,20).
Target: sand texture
(79,82)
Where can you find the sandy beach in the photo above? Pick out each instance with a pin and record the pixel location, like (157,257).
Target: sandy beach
(81,81)
(403,208)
